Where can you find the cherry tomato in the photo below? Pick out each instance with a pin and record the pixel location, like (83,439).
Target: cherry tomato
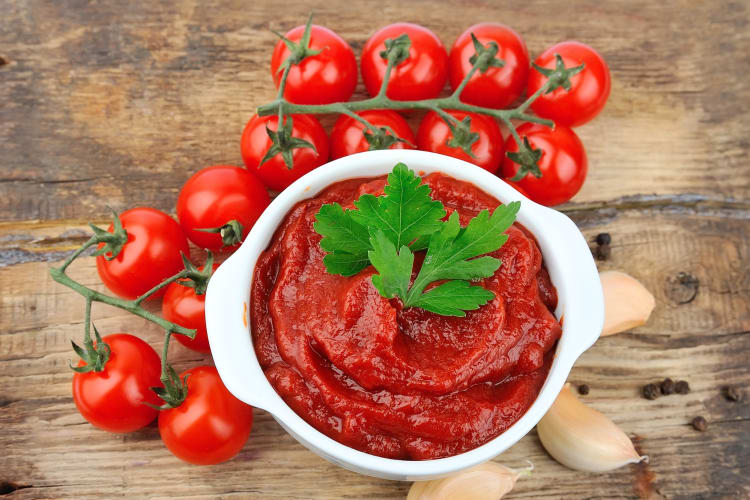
(327,77)
(421,76)
(215,195)
(563,163)
(151,254)
(347,137)
(274,172)
(182,306)
(211,425)
(113,399)
(434,134)
(496,87)
(589,88)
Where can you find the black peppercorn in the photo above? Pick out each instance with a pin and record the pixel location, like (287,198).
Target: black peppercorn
(602,252)
(667,386)
(650,391)
(681,387)
(603,239)
(699,424)
(731,394)
(583,389)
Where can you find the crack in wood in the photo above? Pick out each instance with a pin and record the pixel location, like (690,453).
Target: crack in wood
(643,201)
(8,487)
(46,181)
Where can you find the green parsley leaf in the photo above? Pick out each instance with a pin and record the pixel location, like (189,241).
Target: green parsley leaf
(385,231)
(453,253)
(395,268)
(452,298)
(345,264)
(347,241)
(451,247)
(405,213)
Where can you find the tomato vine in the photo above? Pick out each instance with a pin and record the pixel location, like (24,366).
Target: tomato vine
(95,352)
(397,50)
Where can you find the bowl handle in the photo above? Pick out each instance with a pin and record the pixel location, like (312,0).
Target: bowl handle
(228,326)
(586,287)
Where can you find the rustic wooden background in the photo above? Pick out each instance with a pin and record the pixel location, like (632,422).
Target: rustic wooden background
(119,102)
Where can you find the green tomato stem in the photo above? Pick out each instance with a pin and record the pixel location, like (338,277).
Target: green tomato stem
(282,83)
(131,306)
(533,97)
(369,126)
(171,279)
(386,79)
(87,324)
(513,131)
(164,355)
(465,81)
(91,241)
(444,103)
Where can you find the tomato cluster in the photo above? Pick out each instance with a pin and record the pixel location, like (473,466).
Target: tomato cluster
(216,208)
(329,74)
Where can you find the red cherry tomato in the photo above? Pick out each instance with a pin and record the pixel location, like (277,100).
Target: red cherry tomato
(327,77)
(496,87)
(211,425)
(589,88)
(182,306)
(434,134)
(347,137)
(563,163)
(113,399)
(215,195)
(151,254)
(274,172)
(421,76)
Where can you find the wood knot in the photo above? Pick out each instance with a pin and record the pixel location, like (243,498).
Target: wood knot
(3,61)
(7,487)
(682,288)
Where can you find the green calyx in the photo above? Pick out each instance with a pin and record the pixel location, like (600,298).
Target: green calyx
(560,76)
(114,241)
(527,159)
(174,391)
(231,233)
(94,354)
(485,56)
(283,142)
(462,136)
(382,138)
(396,49)
(300,50)
(197,279)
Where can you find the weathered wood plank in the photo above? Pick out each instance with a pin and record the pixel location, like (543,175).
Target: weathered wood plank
(109,105)
(705,341)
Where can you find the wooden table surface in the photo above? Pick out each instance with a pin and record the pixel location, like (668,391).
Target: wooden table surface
(119,102)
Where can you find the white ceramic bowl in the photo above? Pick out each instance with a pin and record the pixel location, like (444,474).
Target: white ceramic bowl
(566,256)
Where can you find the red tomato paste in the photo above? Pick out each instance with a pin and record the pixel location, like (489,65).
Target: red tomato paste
(393,382)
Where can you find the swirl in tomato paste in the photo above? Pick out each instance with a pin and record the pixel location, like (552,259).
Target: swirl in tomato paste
(393,382)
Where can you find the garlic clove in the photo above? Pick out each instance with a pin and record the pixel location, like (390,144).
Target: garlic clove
(582,438)
(627,303)
(487,481)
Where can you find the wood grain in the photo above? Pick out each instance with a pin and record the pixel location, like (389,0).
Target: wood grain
(102,104)
(111,102)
